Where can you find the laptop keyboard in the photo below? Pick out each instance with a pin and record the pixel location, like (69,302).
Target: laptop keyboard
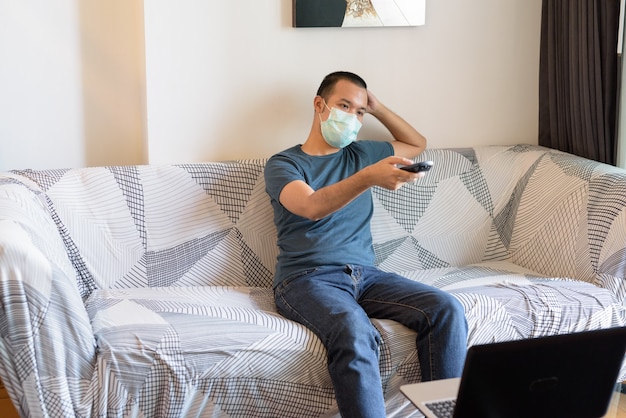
(442,409)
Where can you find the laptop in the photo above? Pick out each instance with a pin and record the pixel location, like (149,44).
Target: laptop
(566,375)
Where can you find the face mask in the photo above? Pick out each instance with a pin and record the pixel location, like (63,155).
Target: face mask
(341,128)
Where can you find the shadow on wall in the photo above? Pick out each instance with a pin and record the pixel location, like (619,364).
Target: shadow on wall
(113,82)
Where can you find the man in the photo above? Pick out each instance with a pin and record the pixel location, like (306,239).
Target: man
(325,274)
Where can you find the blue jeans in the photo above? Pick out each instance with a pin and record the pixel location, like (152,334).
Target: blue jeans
(336,303)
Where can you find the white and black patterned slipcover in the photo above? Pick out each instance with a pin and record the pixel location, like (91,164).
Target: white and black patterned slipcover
(145,291)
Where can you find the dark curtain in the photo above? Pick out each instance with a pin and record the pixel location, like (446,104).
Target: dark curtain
(578,77)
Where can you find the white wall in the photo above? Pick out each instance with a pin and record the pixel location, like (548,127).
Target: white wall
(235,80)
(41,120)
(226,80)
(72,83)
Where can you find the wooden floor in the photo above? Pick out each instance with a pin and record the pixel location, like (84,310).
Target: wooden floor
(617,409)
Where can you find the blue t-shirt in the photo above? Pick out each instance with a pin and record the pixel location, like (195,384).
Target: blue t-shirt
(344,237)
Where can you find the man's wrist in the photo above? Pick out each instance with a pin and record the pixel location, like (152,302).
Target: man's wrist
(365,179)
(379,111)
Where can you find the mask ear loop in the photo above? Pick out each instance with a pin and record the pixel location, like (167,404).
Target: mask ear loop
(319,115)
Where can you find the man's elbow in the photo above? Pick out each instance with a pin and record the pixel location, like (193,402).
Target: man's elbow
(312,214)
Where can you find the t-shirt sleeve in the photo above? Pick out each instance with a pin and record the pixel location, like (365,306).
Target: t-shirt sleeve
(280,171)
(376,150)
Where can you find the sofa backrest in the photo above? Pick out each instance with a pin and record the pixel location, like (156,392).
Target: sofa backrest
(551,212)
(154,226)
(461,212)
(212,223)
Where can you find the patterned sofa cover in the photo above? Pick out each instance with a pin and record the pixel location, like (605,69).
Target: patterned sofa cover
(145,291)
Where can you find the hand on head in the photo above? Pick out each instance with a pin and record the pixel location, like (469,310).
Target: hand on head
(372,102)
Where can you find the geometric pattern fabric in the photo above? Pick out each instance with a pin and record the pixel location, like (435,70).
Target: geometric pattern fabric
(146,290)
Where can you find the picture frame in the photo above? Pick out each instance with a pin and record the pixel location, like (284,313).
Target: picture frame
(358,13)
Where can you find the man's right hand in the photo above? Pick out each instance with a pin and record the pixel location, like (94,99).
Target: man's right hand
(387,175)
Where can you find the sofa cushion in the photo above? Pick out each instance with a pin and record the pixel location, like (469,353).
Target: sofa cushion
(504,301)
(158,226)
(230,343)
(551,212)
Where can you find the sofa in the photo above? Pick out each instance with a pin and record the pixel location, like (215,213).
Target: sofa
(146,291)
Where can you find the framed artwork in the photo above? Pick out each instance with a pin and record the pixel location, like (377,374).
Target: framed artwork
(358,13)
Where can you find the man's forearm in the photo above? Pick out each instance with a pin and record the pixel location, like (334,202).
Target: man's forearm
(331,198)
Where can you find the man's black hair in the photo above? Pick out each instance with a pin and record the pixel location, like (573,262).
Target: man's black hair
(331,79)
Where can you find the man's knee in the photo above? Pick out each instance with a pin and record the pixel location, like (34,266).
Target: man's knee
(451,312)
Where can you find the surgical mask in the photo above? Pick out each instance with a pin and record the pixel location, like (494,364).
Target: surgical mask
(341,128)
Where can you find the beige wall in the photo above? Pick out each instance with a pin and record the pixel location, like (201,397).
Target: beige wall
(225,80)
(113,81)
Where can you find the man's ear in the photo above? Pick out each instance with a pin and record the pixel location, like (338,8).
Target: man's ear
(318,104)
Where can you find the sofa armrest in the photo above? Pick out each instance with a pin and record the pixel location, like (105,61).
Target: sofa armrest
(570,221)
(607,229)
(47,346)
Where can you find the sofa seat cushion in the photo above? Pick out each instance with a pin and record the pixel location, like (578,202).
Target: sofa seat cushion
(504,301)
(230,343)
(222,347)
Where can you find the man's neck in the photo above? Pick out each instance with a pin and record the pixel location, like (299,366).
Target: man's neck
(317,146)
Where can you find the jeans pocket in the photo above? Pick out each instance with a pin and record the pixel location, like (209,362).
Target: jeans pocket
(282,286)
